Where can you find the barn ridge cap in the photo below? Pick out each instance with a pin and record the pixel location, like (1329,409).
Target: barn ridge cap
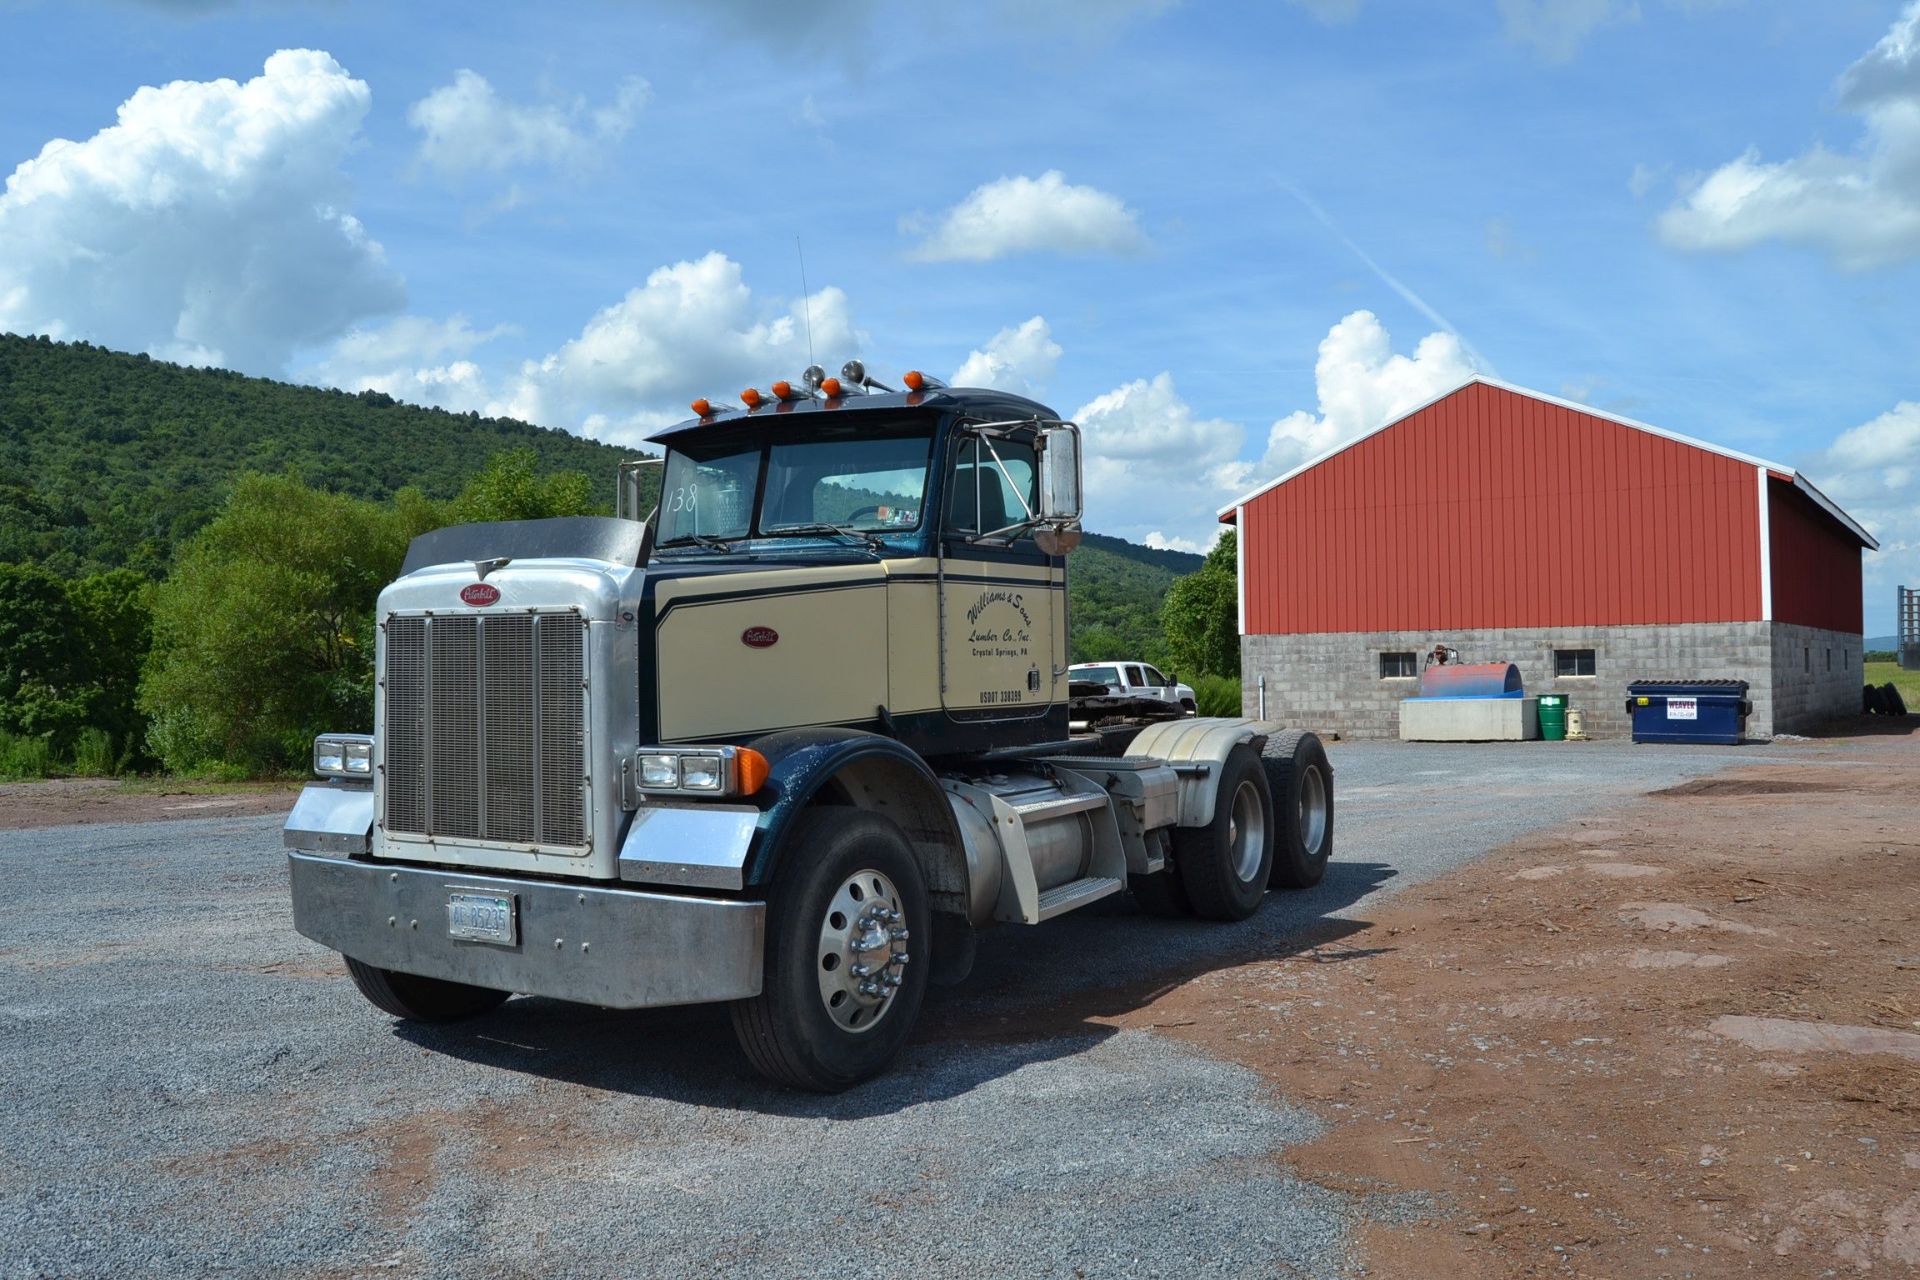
(1227,514)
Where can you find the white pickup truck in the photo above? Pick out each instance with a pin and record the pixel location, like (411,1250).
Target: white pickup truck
(1137,680)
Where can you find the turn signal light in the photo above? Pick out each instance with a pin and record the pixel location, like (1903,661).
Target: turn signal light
(830,388)
(915,380)
(751,771)
(751,397)
(701,408)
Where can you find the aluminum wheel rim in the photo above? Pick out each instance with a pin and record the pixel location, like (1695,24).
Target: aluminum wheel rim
(1313,812)
(862,957)
(1247,831)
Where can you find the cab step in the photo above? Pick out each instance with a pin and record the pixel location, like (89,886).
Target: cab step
(1055,804)
(1076,893)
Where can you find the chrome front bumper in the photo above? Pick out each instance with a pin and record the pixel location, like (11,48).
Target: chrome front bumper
(617,948)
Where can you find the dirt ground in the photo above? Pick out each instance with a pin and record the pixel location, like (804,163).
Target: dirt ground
(1682,1040)
(63,801)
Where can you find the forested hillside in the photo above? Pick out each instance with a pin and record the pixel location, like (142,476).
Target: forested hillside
(110,460)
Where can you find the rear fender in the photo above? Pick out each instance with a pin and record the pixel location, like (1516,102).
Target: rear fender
(1196,749)
(867,771)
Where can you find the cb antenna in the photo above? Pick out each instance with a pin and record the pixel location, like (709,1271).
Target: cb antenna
(806,304)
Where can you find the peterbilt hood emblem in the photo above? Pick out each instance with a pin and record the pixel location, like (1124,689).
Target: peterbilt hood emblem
(759,637)
(480,594)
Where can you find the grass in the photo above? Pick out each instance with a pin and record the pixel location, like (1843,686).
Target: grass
(1907,682)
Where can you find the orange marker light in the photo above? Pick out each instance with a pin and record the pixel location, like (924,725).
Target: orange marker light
(783,390)
(915,380)
(701,407)
(830,388)
(751,397)
(750,770)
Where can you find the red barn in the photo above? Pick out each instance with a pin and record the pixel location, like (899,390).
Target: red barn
(1587,548)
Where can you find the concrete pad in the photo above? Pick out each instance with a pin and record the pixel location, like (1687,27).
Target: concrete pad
(1469,719)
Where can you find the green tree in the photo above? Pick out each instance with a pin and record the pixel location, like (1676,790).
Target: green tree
(1201,616)
(263,633)
(40,682)
(259,635)
(113,612)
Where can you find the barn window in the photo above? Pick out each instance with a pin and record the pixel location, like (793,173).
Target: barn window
(1397,666)
(1829,659)
(1808,656)
(1572,662)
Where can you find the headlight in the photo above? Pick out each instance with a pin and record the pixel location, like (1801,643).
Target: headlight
(660,771)
(707,771)
(343,755)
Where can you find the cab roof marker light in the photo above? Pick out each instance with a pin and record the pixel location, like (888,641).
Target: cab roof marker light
(705,408)
(831,389)
(785,391)
(854,373)
(752,398)
(918,381)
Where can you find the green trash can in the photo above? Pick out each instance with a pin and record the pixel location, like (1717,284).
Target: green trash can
(1553,717)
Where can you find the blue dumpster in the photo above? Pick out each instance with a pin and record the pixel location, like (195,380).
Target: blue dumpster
(1710,711)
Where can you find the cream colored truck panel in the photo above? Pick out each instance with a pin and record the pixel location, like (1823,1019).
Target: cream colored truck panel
(1002,636)
(828,666)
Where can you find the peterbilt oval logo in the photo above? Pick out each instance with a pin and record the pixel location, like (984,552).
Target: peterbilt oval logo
(759,637)
(480,593)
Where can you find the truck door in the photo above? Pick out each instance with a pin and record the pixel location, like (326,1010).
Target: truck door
(1002,600)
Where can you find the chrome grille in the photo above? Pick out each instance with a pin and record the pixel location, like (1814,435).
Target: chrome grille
(483,723)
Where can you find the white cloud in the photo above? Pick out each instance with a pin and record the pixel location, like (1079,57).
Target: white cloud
(210,223)
(1555,29)
(1361,383)
(1153,464)
(1861,207)
(1196,546)
(412,358)
(468,127)
(1873,472)
(1029,215)
(1019,360)
(693,329)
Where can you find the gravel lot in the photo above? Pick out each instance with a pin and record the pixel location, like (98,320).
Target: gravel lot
(188,1087)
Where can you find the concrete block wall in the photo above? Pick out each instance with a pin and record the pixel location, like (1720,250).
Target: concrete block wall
(1332,680)
(1816,676)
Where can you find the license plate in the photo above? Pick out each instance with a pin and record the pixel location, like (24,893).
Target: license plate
(481,917)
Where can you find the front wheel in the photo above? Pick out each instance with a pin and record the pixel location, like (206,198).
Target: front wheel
(846,965)
(417,999)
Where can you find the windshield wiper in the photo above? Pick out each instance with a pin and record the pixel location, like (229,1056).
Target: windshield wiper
(710,541)
(806,530)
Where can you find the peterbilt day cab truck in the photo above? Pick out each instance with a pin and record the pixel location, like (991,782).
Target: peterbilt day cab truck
(789,743)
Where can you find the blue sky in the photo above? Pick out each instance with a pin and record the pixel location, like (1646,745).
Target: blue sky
(1225,237)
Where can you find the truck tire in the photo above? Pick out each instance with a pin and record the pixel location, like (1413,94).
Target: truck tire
(417,999)
(1302,784)
(848,895)
(1224,866)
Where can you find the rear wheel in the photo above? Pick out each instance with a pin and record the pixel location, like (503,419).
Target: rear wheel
(838,997)
(417,999)
(1224,866)
(1302,784)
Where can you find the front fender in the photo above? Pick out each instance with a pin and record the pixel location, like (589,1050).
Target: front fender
(802,761)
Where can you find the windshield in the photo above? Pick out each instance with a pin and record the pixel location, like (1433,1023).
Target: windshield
(1098,675)
(863,476)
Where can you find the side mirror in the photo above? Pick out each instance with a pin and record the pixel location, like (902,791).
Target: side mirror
(626,489)
(1059,513)
(1060,474)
